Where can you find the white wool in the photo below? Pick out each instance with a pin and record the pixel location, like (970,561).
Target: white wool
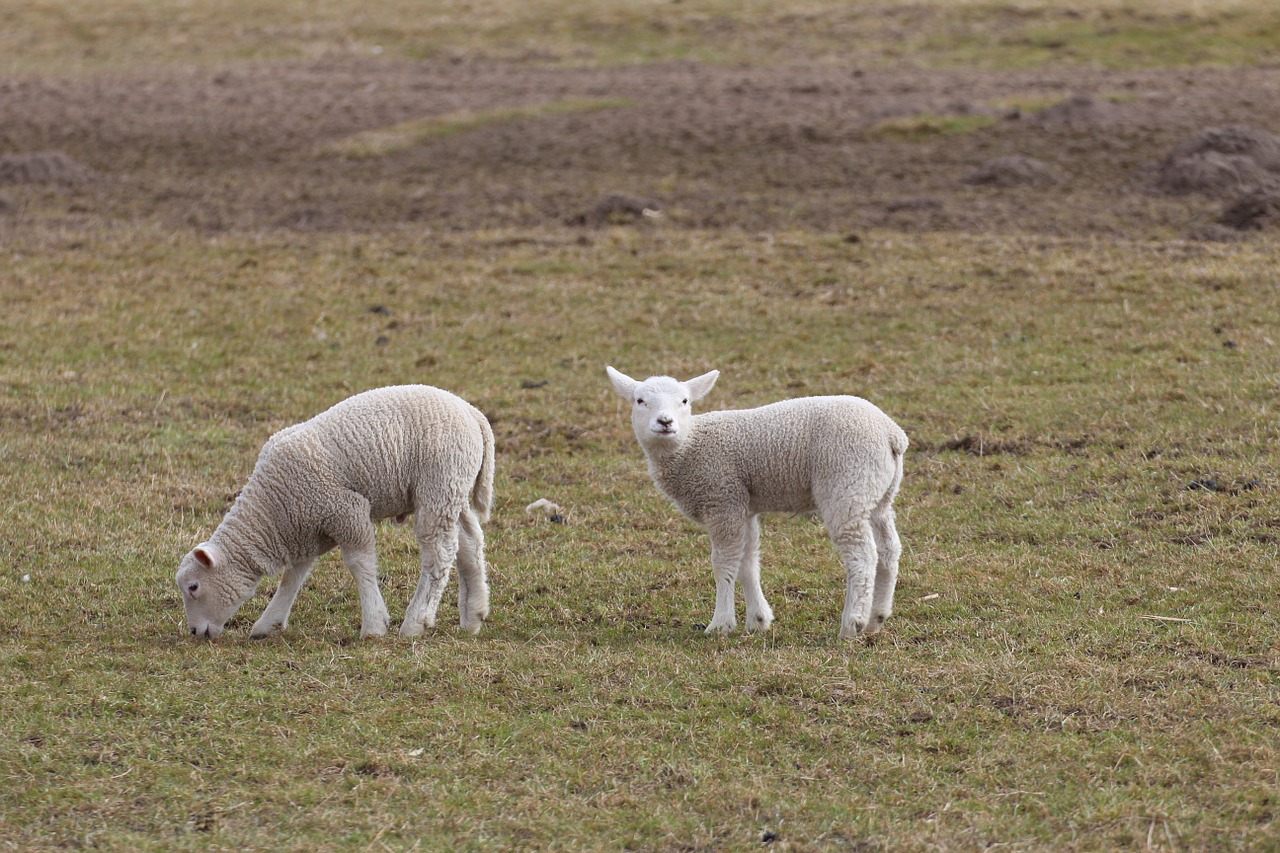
(838,456)
(321,484)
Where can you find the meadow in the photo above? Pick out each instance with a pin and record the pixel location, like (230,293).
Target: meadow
(1083,654)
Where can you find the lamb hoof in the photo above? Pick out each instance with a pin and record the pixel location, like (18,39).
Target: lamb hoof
(262,632)
(721,628)
(412,629)
(377,629)
(471,623)
(852,631)
(877,622)
(759,624)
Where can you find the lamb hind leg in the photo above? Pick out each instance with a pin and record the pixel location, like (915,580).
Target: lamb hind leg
(857,548)
(473,587)
(759,614)
(888,549)
(276,616)
(438,540)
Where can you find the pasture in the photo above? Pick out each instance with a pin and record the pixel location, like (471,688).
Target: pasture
(217,222)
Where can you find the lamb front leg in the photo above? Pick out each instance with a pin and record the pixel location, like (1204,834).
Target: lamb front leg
(759,613)
(276,616)
(353,533)
(362,561)
(728,546)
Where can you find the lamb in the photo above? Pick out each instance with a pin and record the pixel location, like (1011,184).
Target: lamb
(320,484)
(840,456)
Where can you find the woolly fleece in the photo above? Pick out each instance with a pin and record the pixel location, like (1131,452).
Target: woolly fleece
(320,484)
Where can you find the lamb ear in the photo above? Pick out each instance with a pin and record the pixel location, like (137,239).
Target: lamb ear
(207,555)
(700,386)
(622,383)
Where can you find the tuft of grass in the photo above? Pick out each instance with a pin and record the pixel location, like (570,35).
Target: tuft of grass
(925,126)
(382,141)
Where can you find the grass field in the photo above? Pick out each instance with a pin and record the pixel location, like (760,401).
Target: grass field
(62,35)
(1084,650)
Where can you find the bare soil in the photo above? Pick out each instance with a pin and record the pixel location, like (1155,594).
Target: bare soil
(1129,154)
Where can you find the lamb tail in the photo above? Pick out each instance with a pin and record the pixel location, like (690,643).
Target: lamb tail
(482,491)
(897,441)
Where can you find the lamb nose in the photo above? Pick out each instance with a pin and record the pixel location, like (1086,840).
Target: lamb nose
(664,420)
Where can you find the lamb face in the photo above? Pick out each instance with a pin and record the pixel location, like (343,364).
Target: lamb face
(212,591)
(661,412)
(661,407)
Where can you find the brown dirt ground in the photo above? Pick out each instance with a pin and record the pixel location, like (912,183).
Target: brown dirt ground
(741,147)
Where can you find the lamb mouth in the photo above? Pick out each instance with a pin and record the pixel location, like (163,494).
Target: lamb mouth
(664,431)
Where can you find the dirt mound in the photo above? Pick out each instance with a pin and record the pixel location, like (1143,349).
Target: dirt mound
(1079,110)
(1253,211)
(1209,172)
(1014,171)
(1221,161)
(1258,145)
(1215,233)
(45,167)
(616,209)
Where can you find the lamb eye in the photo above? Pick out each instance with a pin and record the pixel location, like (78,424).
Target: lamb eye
(684,402)
(639,401)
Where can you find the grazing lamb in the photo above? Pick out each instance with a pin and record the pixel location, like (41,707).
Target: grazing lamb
(840,456)
(385,453)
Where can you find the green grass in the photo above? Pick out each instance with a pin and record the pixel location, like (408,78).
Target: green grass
(388,140)
(74,36)
(1034,688)
(925,126)
(1084,653)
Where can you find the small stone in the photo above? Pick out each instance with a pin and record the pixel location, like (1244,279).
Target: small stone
(1207,484)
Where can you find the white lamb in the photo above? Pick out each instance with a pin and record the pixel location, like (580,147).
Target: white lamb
(319,484)
(840,456)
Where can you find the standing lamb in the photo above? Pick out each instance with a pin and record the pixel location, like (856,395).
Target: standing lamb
(321,484)
(840,456)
